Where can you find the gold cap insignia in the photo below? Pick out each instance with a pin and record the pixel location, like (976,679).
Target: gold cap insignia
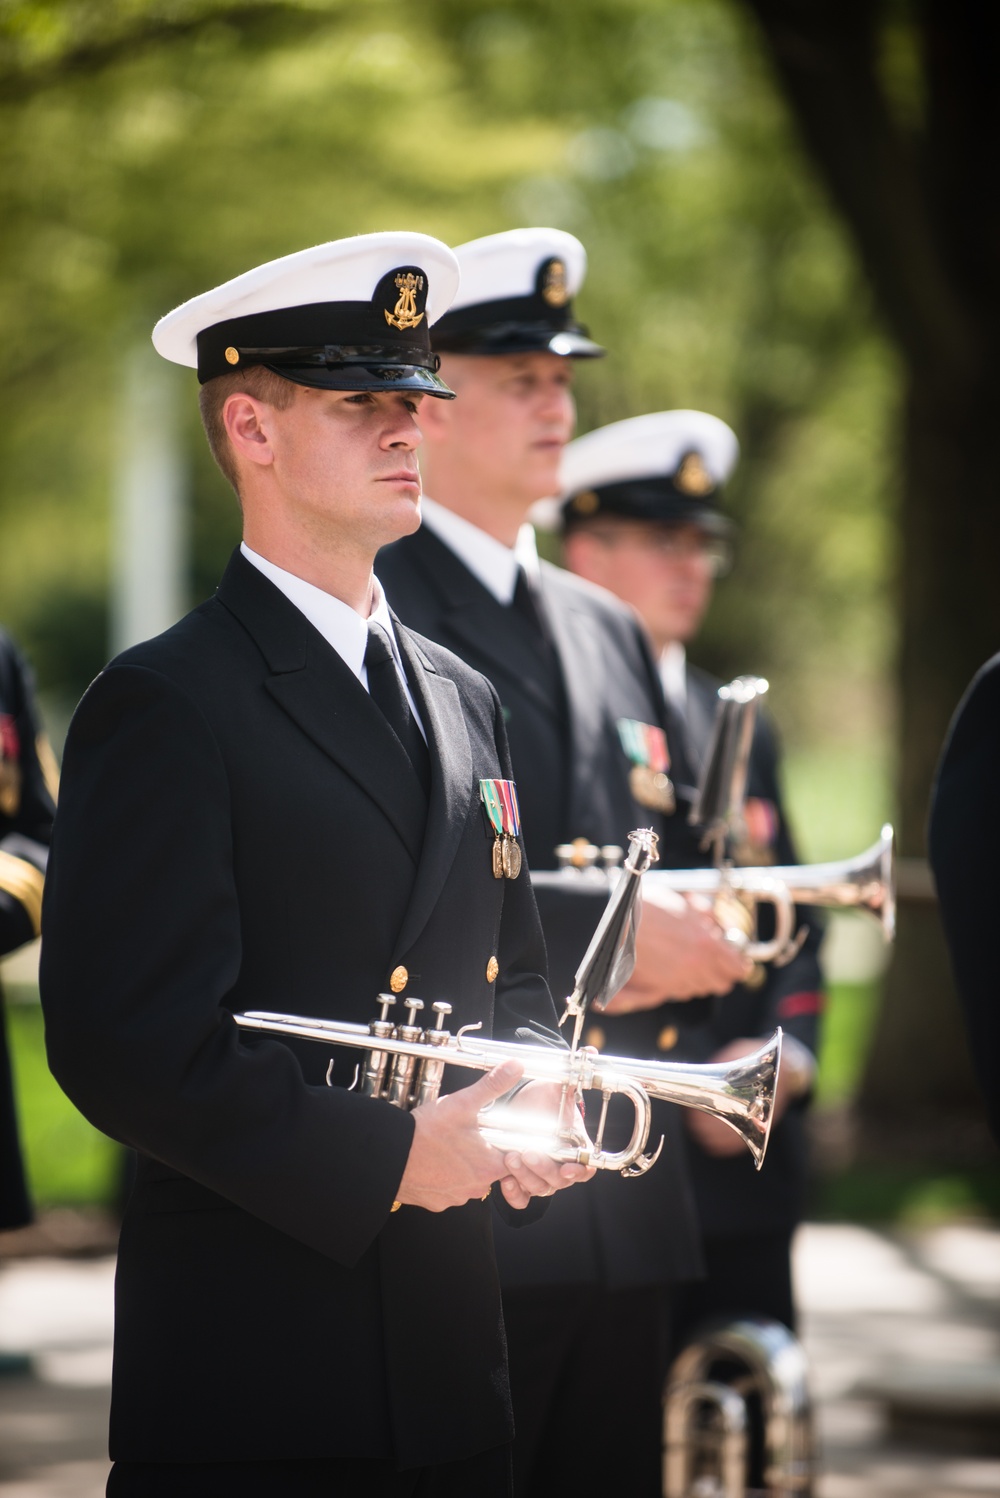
(405,314)
(586,503)
(232,355)
(692,477)
(554,288)
(492,968)
(595,1036)
(398,979)
(667,1038)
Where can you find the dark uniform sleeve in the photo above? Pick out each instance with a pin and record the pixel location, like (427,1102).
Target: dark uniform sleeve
(142,947)
(27,786)
(963,838)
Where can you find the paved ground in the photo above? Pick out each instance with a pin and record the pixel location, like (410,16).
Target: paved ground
(873,1305)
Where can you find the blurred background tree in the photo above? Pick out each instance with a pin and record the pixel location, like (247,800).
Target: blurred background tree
(152,148)
(149,150)
(897,104)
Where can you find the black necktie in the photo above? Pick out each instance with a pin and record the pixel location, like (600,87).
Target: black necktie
(386,691)
(527,603)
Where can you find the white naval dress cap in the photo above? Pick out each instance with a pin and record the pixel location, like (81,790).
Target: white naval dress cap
(517,295)
(351,314)
(668,466)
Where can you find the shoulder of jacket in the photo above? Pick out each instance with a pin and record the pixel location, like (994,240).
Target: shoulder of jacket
(576,592)
(189,658)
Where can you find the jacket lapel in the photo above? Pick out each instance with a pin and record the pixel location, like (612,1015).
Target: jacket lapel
(475,619)
(579,650)
(452,786)
(699,715)
(308,679)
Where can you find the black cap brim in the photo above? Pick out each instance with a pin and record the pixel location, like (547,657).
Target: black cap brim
(519,338)
(639,501)
(366,377)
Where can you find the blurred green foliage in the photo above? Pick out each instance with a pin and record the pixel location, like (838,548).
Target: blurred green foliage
(848,1021)
(908,1197)
(149,150)
(68,1161)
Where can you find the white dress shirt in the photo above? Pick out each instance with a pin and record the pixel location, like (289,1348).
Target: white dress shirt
(673,674)
(493,563)
(341,627)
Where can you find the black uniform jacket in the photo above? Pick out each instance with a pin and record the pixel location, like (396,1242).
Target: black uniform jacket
(732,1197)
(26,812)
(963,839)
(240,828)
(572,781)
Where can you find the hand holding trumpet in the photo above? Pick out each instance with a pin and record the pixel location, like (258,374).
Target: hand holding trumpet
(450,1162)
(681,952)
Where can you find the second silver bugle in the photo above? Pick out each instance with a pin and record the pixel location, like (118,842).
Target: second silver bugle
(866,882)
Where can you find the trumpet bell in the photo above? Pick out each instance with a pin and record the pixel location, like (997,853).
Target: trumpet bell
(867,882)
(740,1093)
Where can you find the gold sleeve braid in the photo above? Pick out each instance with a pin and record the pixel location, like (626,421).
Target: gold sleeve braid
(49,767)
(22,880)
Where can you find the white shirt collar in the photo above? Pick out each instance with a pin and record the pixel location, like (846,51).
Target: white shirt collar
(494,564)
(337,622)
(673,674)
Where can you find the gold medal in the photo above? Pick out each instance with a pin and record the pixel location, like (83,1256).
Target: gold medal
(511,858)
(498,852)
(652,788)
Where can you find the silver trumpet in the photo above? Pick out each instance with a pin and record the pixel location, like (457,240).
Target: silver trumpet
(865,882)
(403,1064)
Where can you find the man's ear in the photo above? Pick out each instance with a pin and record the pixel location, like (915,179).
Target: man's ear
(247,423)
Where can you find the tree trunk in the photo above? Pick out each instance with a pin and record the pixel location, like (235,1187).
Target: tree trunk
(918,1083)
(926,227)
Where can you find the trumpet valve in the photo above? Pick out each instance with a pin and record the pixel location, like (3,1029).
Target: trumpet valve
(400,1092)
(376,1062)
(428,1084)
(579,854)
(385,1001)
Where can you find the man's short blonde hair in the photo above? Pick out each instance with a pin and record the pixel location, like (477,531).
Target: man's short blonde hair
(263,384)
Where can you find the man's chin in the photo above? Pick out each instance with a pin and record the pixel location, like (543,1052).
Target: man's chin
(542,479)
(405,520)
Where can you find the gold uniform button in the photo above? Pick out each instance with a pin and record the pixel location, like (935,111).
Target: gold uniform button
(232,355)
(492,968)
(667,1038)
(595,1036)
(398,979)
